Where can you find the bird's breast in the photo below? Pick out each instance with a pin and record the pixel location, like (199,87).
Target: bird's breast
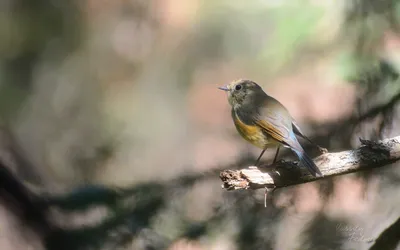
(252,133)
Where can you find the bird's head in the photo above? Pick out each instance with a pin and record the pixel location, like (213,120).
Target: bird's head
(241,92)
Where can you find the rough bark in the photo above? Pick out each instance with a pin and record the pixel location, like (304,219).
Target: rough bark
(281,174)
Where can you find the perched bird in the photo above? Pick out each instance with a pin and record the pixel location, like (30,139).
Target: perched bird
(264,121)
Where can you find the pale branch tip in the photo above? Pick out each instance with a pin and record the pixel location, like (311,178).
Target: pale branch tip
(370,154)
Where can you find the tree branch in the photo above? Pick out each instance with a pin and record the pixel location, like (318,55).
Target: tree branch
(281,174)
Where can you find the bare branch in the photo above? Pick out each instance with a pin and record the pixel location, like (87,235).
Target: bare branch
(369,155)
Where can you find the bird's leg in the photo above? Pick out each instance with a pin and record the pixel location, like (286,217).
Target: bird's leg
(276,155)
(258,159)
(266,192)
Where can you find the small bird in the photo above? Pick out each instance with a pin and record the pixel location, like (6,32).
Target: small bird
(264,121)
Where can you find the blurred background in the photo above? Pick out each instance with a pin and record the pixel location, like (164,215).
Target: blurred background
(111,111)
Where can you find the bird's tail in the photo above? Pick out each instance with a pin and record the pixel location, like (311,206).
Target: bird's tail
(307,162)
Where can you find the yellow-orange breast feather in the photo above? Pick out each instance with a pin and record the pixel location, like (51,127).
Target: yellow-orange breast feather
(252,133)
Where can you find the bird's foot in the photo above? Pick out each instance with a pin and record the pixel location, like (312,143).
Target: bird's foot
(275,165)
(273,169)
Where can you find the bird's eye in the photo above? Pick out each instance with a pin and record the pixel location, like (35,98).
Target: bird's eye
(238,87)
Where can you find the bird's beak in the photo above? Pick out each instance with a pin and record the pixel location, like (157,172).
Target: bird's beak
(224,88)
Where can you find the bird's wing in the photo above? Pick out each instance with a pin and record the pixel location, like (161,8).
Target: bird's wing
(272,124)
(276,121)
(297,131)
